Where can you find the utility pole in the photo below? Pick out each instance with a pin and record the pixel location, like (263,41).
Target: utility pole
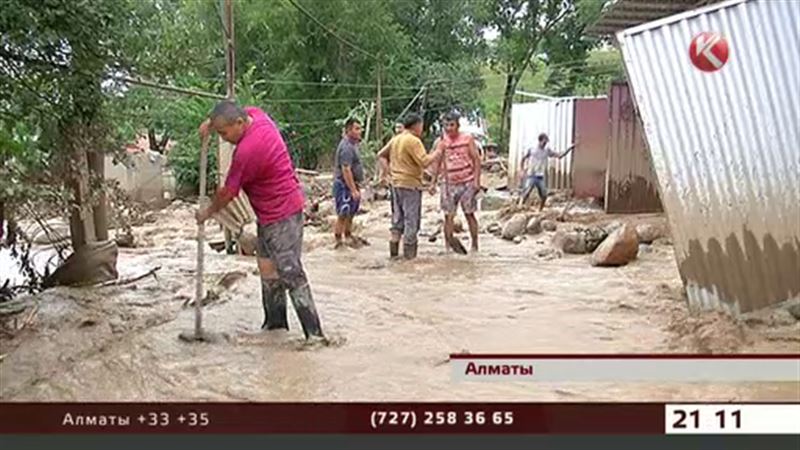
(379,109)
(225,149)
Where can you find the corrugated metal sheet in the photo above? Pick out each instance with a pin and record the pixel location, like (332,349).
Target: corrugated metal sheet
(528,120)
(631,185)
(591,137)
(726,148)
(622,14)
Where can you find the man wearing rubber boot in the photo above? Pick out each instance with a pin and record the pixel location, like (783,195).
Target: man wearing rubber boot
(263,169)
(406,158)
(460,168)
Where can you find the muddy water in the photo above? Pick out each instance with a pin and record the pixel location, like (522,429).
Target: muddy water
(392,324)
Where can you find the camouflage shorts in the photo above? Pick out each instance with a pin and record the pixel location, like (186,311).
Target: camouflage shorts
(463,194)
(282,242)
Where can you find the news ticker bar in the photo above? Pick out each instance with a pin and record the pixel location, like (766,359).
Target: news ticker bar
(364,418)
(626,368)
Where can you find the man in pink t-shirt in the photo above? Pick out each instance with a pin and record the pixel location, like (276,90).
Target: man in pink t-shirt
(263,169)
(460,167)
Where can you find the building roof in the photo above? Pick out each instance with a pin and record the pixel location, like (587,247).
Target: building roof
(621,14)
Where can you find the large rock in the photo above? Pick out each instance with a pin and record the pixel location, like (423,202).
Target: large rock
(93,263)
(493,201)
(515,226)
(648,233)
(618,249)
(534,226)
(572,242)
(794,310)
(494,228)
(612,227)
(593,237)
(549,225)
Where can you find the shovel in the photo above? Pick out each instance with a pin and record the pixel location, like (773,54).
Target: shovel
(198,334)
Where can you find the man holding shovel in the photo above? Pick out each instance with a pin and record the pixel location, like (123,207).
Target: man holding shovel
(263,169)
(460,164)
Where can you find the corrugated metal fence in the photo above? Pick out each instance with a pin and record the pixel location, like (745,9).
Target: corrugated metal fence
(528,120)
(726,148)
(591,137)
(631,184)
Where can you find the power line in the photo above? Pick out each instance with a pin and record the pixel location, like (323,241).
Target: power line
(328,100)
(330,31)
(332,84)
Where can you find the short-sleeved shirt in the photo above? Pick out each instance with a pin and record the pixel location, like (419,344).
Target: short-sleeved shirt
(263,169)
(459,162)
(407,160)
(537,159)
(347,155)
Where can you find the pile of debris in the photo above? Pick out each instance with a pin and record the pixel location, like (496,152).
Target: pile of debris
(611,244)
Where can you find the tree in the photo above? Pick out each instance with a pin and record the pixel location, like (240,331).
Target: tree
(567,50)
(522,25)
(54,58)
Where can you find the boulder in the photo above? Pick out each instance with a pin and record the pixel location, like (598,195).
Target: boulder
(126,240)
(93,263)
(794,310)
(549,225)
(515,226)
(548,254)
(534,226)
(618,249)
(493,201)
(648,233)
(518,239)
(594,236)
(572,242)
(663,241)
(612,227)
(494,228)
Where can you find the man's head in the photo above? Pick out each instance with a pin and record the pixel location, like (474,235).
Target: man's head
(413,123)
(352,129)
(229,121)
(543,140)
(451,123)
(398,128)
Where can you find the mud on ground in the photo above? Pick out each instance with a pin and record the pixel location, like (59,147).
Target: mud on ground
(392,324)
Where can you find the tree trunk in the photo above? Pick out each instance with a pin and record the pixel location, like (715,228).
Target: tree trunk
(100,209)
(81,223)
(505,118)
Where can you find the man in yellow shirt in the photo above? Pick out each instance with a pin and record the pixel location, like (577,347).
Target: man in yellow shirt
(406,158)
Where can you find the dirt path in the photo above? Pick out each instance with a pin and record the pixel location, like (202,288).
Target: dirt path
(393,325)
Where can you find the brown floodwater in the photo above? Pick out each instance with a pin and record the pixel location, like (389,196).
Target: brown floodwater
(392,326)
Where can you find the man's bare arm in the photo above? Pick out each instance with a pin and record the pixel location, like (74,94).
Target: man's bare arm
(477,160)
(347,174)
(567,151)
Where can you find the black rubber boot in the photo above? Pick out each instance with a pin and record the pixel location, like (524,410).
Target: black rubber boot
(273,298)
(394,249)
(409,251)
(303,303)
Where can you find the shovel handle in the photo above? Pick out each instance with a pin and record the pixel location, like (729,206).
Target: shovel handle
(201,229)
